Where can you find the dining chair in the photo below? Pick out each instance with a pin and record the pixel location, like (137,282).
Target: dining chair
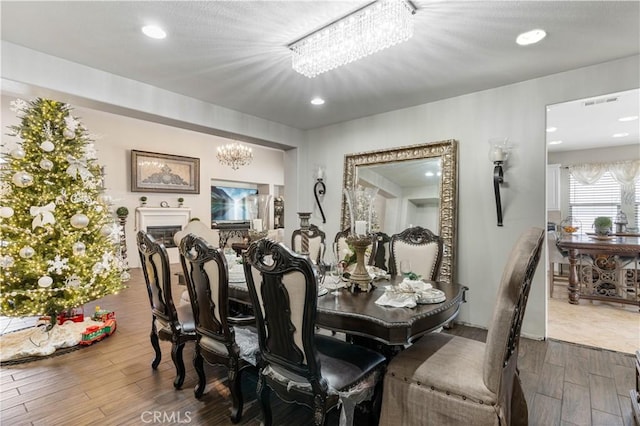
(556,257)
(340,246)
(169,323)
(222,339)
(316,243)
(317,371)
(419,246)
(450,380)
(201,229)
(380,251)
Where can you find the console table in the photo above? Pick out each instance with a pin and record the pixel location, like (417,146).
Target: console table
(603,268)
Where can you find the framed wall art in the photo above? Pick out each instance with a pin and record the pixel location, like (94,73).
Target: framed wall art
(155,172)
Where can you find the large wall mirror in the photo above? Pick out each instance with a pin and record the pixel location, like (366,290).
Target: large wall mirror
(417,187)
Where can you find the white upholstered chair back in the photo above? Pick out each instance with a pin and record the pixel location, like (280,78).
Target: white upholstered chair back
(199,229)
(419,246)
(316,243)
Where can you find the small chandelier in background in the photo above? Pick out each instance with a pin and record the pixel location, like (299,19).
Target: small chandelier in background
(235,155)
(367,30)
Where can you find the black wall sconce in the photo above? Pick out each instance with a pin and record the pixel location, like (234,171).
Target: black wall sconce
(319,189)
(498,153)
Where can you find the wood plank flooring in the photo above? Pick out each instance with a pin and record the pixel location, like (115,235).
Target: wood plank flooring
(112,383)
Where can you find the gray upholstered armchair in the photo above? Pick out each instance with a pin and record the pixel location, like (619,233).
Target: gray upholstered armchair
(449,380)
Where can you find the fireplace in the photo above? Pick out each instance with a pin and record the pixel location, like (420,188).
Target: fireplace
(162,223)
(164,234)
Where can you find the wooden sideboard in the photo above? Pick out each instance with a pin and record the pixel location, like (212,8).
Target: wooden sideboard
(603,268)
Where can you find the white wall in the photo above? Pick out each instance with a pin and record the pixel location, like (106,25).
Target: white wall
(517,111)
(117,135)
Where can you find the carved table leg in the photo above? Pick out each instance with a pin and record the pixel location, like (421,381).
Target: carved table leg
(574,296)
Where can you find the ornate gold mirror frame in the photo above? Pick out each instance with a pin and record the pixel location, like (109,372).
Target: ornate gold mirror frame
(447,151)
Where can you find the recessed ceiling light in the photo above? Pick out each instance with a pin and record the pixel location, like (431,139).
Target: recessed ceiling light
(551,129)
(531,37)
(629,118)
(555,142)
(429,174)
(619,135)
(317,101)
(154,31)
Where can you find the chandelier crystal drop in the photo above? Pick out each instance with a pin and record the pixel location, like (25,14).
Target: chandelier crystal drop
(374,27)
(234,155)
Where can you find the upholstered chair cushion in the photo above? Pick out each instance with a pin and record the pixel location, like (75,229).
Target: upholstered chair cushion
(438,381)
(422,257)
(185,317)
(419,246)
(316,247)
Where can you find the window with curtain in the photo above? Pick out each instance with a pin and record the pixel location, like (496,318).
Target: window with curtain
(603,189)
(602,198)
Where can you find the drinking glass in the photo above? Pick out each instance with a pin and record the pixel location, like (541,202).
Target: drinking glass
(335,277)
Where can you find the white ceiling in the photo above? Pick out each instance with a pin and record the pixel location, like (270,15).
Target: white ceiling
(234,54)
(592,122)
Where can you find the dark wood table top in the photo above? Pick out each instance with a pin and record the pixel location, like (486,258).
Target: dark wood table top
(356,313)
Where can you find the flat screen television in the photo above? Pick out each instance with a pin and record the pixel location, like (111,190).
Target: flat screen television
(229,203)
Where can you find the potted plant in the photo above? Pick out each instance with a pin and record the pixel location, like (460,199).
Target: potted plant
(143,201)
(180,201)
(602,225)
(122,211)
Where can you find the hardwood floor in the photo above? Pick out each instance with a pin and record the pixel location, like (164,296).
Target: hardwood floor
(112,383)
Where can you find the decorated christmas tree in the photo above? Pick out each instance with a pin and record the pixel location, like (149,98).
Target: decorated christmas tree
(58,236)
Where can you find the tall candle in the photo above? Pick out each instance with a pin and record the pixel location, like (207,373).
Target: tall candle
(361,227)
(257,225)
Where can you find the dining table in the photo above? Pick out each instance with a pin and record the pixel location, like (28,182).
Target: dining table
(356,314)
(605,268)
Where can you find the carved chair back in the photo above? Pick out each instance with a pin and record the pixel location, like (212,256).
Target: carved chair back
(157,275)
(380,251)
(207,279)
(316,243)
(421,247)
(283,288)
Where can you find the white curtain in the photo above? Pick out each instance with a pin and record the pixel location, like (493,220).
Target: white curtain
(624,172)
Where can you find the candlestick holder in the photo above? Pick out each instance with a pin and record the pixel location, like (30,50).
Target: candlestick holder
(360,202)
(360,278)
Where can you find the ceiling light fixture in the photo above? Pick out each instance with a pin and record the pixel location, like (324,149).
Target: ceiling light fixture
(367,30)
(619,135)
(531,37)
(154,31)
(555,142)
(630,118)
(235,155)
(317,101)
(551,129)
(429,174)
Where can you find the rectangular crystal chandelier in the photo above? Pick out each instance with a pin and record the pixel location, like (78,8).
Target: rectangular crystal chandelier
(367,30)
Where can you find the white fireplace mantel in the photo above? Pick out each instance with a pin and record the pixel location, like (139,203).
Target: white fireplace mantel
(163,216)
